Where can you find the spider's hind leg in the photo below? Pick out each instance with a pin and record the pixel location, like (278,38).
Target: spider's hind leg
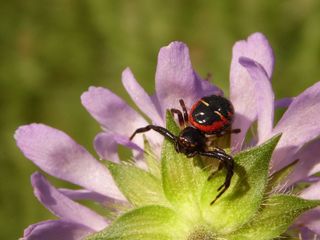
(177,112)
(184,109)
(225,161)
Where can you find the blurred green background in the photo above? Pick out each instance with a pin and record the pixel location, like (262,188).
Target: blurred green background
(52,51)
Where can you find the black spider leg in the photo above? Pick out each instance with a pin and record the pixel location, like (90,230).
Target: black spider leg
(184,109)
(220,166)
(228,162)
(228,131)
(179,114)
(164,132)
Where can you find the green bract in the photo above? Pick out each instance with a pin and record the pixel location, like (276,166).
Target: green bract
(171,201)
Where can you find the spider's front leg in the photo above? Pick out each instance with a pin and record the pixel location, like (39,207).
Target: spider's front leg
(163,131)
(226,161)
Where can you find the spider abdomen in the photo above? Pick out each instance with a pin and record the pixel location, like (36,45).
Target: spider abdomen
(211,114)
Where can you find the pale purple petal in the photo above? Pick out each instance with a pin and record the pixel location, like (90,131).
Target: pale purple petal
(106,145)
(283,102)
(56,230)
(312,192)
(175,77)
(309,163)
(299,125)
(111,111)
(63,207)
(312,179)
(256,47)
(59,155)
(306,233)
(141,98)
(84,194)
(111,204)
(206,88)
(264,97)
(311,219)
(242,91)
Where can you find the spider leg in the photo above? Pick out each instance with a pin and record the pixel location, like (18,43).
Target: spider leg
(220,150)
(184,109)
(164,132)
(179,114)
(226,161)
(228,131)
(220,166)
(236,131)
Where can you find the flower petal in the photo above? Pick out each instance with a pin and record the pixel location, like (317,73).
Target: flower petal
(64,207)
(283,102)
(57,154)
(176,79)
(242,91)
(265,98)
(106,145)
(311,220)
(111,111)
(299,126)
(312,192)
(206,88)
(84,194)
(56,229)
(309,163)
(141,98)
(113,205)
(306,233)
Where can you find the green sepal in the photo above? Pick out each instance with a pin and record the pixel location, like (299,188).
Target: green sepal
(138,186)
(152,162)
(244,196)
(277,214)
(278,178)
(182,180)
(145,223)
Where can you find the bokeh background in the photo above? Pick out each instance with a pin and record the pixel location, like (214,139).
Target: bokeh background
(52,51)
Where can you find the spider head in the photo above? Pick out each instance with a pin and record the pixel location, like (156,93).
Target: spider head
(190,141)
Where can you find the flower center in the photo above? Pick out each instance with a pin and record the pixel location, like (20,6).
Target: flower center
(202,233)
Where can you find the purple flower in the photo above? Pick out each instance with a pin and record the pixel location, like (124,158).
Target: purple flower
(253,99)
(60,156)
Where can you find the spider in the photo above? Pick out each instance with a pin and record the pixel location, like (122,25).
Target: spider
(209,116)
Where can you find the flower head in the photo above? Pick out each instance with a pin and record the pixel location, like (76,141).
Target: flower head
(166,195)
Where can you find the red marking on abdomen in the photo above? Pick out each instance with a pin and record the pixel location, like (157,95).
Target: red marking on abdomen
(214,127)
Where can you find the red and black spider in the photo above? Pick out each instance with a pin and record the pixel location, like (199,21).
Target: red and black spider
(210,116)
